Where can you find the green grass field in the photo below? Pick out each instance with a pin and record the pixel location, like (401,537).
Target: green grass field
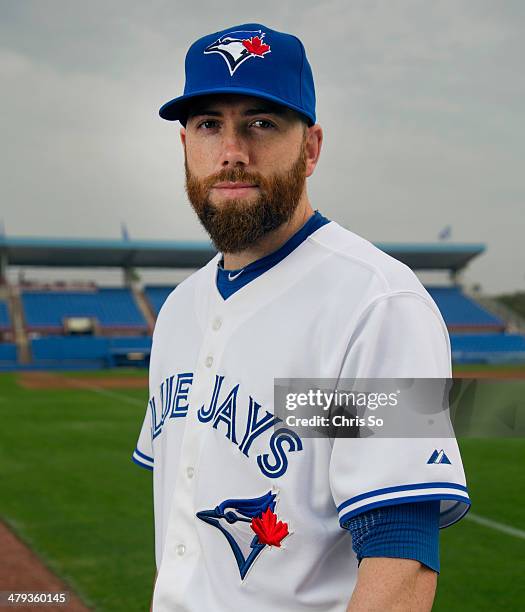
(71,492)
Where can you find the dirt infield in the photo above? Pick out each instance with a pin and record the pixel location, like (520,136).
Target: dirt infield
(21,571)
(54,380)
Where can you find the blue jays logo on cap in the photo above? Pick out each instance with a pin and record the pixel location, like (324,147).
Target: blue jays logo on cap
(238,46)
(233,517)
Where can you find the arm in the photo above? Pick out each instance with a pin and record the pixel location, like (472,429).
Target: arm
(397,585)
(397,548)
(397,571)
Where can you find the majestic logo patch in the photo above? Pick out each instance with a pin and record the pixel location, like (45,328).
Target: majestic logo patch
(239,519)
(438,457)
(238,46)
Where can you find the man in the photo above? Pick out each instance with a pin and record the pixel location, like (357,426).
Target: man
(249,514)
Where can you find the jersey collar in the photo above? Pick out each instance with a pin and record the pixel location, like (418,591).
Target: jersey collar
(230,281)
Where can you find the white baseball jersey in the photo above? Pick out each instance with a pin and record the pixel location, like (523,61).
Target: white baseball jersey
(247,514)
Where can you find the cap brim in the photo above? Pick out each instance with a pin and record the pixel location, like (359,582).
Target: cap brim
(177,109)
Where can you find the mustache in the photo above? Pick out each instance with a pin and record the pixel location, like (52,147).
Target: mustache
(234,175)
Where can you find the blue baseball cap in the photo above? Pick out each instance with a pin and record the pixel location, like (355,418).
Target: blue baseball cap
(249,59)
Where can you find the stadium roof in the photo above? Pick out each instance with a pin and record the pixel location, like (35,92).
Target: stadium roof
(123,253)
(94,253)
(433,256)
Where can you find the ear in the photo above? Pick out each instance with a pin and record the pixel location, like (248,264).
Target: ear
(314,141)
(183,136)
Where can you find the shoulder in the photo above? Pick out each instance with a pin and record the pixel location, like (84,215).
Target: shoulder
(357,265)
(388,310)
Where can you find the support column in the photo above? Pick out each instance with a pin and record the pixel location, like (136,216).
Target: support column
(3,267)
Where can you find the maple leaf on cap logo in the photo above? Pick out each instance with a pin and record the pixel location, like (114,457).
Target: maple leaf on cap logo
(256,46)
(268,530)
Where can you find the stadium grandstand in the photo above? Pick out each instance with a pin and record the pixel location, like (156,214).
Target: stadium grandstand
(71,325)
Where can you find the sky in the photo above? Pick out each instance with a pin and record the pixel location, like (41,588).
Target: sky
(421,105)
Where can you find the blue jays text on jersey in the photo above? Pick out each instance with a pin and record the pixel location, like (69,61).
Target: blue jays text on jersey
(221,413)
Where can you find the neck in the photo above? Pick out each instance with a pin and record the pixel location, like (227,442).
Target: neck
(272,241)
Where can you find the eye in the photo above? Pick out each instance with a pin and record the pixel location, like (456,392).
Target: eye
(207,124)
(265,123)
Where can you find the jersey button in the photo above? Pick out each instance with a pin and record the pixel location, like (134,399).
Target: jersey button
(190,472)
(209,361)
(217,323)
(181,549)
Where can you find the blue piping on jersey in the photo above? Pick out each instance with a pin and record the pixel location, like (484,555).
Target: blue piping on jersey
(144,456)
(408,487)
(402,500)
(143,465)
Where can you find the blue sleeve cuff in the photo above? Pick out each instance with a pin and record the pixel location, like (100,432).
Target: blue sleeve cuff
(405,531)
(142,459)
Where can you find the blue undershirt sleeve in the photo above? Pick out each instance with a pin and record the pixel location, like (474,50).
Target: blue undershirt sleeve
(405,531)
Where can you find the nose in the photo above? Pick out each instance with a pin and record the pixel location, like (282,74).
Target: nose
(234,150)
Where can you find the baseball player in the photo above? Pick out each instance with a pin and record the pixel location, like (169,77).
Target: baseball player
(250,515)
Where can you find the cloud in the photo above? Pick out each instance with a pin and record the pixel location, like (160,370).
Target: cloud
(421,104)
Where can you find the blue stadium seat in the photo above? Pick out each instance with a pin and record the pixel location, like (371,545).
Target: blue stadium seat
(113,307)
(487,348)
(458,310)
(157,294)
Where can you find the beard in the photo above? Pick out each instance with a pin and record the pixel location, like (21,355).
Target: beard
(236,223)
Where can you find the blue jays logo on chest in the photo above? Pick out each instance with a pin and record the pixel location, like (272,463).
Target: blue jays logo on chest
(238,46)
(239,519)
